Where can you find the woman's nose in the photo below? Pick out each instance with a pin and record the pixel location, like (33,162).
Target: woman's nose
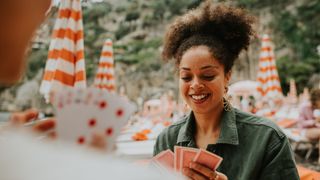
(197,84)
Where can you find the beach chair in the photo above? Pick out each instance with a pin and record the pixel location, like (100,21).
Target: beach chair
(299,142)
(286,123)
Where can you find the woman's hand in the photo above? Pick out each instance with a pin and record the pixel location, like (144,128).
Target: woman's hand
(197,171)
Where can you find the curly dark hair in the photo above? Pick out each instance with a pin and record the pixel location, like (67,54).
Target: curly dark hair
(224,30)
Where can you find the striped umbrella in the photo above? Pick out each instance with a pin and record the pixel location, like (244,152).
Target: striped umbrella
(268,79)
(65,66)
(104,78)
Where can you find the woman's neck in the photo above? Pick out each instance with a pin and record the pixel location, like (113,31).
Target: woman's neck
(208,123)
(207,128)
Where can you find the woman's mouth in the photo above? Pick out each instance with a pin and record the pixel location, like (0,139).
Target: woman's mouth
(199,98)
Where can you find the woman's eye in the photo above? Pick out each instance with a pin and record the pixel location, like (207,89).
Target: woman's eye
(186,79)
(209,78)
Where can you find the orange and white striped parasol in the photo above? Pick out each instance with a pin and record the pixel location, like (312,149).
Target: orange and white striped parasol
(104,78)
(268,79)
(65,66)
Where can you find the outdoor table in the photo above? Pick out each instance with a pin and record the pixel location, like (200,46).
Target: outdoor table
(137,150)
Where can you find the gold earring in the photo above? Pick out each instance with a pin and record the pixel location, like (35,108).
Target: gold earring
(226,104)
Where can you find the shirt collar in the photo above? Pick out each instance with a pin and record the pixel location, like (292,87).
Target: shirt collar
(228,133)
(187,129)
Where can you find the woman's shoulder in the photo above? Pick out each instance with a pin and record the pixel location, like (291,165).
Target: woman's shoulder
(257,123)
(168,137)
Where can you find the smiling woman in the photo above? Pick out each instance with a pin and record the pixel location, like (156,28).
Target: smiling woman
(202,82)
(204,43)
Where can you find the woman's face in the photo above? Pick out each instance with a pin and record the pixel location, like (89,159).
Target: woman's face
(202,80)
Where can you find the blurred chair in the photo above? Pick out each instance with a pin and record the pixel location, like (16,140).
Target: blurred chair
(299,142)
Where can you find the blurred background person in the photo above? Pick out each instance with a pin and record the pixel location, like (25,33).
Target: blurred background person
(307,120)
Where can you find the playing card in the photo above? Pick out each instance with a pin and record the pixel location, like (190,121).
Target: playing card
(177,157)
(164,159)
(71,114)
(112,113)
(187,156)
(81,112)
(208,159)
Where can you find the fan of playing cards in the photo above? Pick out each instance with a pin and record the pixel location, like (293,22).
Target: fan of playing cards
(80,112)
(182,156)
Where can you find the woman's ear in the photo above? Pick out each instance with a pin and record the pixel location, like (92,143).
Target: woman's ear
(227,77)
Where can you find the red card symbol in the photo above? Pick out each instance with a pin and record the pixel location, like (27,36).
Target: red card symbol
(92,122)
(103,104)
(81,140)
(119,112)
(109,131)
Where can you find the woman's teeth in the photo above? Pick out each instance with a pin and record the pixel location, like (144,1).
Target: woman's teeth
(198,97)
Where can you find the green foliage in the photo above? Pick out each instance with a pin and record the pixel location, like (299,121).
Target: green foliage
(93,31)
(177,7)
(122,31)
(120,9)
(133,15)
(159,8)
(139,51)
(173,7)
(298,70)
(148,21)
(96,11)
(297,28)
(301,31)
(36,60)
(259,4)
(193,4)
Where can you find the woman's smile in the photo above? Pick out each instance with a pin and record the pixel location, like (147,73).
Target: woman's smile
(199,98)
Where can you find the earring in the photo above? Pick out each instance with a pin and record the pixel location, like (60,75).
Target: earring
(226,104)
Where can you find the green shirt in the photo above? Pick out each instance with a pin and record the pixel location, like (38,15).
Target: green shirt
(252,148)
